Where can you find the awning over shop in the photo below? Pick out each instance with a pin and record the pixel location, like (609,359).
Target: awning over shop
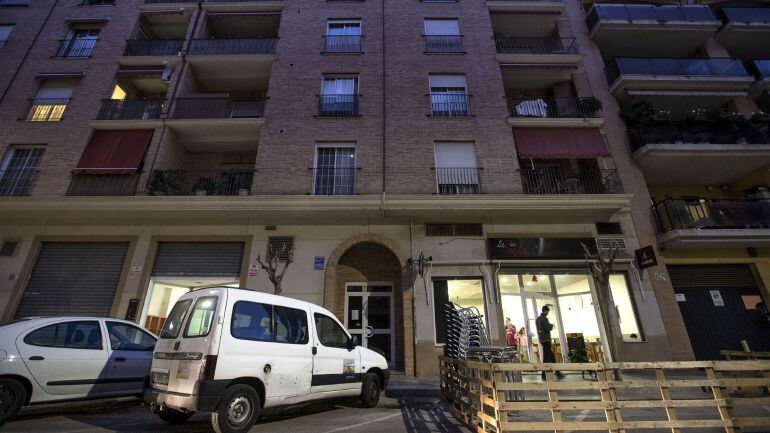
(114,152)
(552,143)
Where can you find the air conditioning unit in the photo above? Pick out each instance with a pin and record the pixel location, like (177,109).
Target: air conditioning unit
(604,243)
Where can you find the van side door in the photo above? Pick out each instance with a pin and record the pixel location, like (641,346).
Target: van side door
(335,365)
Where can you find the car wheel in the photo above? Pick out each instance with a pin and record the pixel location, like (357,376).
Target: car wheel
(370,390)
(172,416)
(12,398)
(238,410)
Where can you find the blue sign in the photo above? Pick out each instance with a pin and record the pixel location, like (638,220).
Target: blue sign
(318,265)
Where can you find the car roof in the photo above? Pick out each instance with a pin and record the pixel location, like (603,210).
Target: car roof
(260,297)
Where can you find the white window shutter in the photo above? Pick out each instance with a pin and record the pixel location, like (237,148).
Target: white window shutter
(442,27)
(51,89)
(446,81)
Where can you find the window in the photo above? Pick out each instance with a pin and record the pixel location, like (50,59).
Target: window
(5,32)
(456,171)
(339,97)
(79,43)
(69,335)
(448,95)
(290,325)
(330,333)
(175,319)
(18,169)
(343,36)
(464,293)
(449,230)
(50,101)
(126,337)
(281,245)
(442,36)
(252,321)
(629,324)
(201,317)
(335,171)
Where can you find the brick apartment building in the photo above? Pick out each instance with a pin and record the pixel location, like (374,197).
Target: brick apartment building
(411,152)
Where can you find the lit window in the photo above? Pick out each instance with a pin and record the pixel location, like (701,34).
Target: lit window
(629,324)
(51,100)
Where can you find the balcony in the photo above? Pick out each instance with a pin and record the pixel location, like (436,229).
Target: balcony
(337,105)
(547,51)
(713,223)
(225,124)
(700,152)
(560,181)
(338,44)
(129,114)
(218,108)
(153,47)
(457,180)
(674,77)
(243,5)
(75,48)
(650,30)
(555,111)
(450,104)
(222,182)
(228,64)
(240,46)
(541,7)
(746,32)
(47,109)
(103,184)
(444,44)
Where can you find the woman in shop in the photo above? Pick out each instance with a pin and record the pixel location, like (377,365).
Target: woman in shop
(522,343)
(510,334)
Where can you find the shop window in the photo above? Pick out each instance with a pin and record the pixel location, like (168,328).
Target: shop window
(463,293)
(629,324)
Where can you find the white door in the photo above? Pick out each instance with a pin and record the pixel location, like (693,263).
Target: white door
(130,355)
(336,365)
(369,316)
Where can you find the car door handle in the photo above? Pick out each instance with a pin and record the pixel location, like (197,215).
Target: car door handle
(120,359)
(36,358)
(315,350)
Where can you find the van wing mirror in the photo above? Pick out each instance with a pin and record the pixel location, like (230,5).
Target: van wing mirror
(352,342)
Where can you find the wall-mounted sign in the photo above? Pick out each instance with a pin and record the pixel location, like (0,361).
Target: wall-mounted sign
(136,272)
(716,297)
(680,297)
(645,257)
(318,263)
(538,248)
(253,270)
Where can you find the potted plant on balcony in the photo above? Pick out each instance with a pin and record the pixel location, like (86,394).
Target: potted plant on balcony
(204,186)
(166,182)
(590,106)
(638,113)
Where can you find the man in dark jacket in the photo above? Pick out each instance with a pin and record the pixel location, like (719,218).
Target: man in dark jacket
(544,328)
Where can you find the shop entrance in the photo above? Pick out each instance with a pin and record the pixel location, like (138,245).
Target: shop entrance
(369,316)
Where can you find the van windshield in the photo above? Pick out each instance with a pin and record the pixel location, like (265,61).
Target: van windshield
(175,319)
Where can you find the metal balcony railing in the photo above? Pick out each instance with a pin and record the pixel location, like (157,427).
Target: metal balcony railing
(342,43)
(676,214)
(200,182)
(17,182)
(450,104)
(555,107)
(218,108)
(96,3)
(331,180)
(458,180)
(169,1)
(760,68)
(518,45)
(443,44)
(557,180)
(673,66)
(745,15)
(338,105)
(103,184)
(640,12)
(130,109)
(76,48)
(47,109)
(14,3)
(233,46)
(699,132)
(152,47)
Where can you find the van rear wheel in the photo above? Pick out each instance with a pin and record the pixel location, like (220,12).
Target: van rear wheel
(172,416)
(370,390)
(238,410)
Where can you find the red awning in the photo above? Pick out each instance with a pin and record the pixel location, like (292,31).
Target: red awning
(552,143)
(114,152)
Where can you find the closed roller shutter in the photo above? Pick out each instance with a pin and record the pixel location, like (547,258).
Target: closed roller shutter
(74,278)
(216,259)
(711,276)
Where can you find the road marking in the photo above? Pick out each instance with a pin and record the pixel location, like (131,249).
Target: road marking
(382,418)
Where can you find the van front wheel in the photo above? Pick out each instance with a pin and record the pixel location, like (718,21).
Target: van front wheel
(370,390)
(238,410)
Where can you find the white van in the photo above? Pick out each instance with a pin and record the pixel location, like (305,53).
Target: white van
(232,352)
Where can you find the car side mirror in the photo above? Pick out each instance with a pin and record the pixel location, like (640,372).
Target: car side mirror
(352,343)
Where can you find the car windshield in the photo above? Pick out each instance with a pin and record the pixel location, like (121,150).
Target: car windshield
(175,319)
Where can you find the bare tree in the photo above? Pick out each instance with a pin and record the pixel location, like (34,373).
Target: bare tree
(599,265)
(271,266)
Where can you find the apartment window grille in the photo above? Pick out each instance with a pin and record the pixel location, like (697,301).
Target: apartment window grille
(339,97)
(51,100)
(456,170)
(335,171)
(442,36)
(449,95)
(281,246)
(343,36)
(449,230)
(18,171)
(78,44)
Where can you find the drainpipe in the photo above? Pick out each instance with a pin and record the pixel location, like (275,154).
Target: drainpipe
(384,105)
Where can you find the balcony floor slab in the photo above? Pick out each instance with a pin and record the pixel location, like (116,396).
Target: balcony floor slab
(715,238)
(550,122)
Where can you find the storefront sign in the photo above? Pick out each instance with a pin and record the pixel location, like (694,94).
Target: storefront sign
(253,270)
(645,257)
(318,264)
(539,248)
(680,297)
(716,297)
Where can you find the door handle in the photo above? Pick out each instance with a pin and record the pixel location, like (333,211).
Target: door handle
(315,350)
(36,358)
(369,331)
(120,359)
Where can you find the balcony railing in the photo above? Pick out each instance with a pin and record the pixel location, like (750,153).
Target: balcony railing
(152,47)
(233,46)
(14,3)
(76,48)
(334,181)
(760,68)
(556,180)
(675,214)
(673,66)
(103,184)
(637,12)
(448,104)
(699,132)
(130,109)
(338,105)
(47,109)
(169,1)
(745,15)
(218,108)
(458,180)
(200,183)
(443,44)
(517,45)
(96,3)
(342,43)
(555,107)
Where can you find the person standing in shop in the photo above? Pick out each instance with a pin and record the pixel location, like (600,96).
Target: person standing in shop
(544,328)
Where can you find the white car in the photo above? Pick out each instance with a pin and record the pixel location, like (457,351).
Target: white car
(232,352)
(70,358)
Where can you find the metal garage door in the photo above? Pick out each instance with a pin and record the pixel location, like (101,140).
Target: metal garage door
(717,304)
(199,258)
(74,278)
